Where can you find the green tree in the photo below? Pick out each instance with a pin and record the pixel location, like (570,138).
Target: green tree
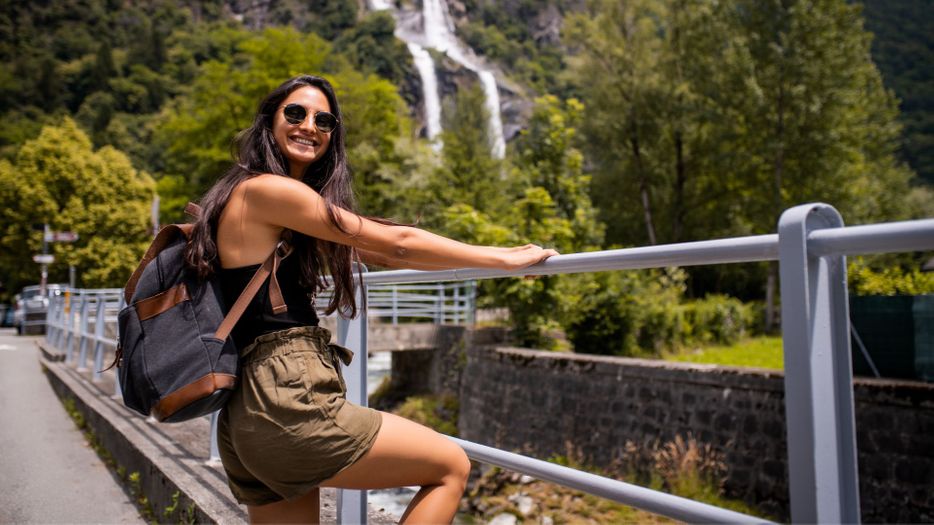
(551,207)
(200,124)
(59,179)
(468,174)
(725,114)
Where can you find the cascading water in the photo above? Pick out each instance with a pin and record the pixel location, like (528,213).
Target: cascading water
(426,69)
(438,33)
(488,81)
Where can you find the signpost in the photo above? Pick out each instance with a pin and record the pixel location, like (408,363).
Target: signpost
(45,258)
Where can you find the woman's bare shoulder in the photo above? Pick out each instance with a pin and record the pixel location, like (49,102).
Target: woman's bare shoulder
(273,185)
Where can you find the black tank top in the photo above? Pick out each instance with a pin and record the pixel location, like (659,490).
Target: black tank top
(258,318)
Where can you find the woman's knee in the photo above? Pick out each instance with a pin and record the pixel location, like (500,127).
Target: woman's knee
(458,468)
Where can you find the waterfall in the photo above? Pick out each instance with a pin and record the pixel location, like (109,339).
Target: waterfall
(380,5)
(438,33)
(426,69)
(488,81)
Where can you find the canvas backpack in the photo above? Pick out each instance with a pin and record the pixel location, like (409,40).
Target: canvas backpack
(175,359)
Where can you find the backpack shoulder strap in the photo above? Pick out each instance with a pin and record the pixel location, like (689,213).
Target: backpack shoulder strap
(266,270)
(163,238)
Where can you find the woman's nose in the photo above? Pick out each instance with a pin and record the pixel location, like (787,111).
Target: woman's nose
(308,124)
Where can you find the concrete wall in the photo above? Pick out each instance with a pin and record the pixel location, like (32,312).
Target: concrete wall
(536,402)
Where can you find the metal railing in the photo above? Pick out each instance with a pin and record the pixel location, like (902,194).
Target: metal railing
(810,246)
(84,321)
(441,303)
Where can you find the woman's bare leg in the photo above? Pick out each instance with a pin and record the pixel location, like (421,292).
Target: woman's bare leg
(302,510)
(404,453)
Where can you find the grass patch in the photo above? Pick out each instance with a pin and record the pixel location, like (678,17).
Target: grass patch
(435,412)
(757,352)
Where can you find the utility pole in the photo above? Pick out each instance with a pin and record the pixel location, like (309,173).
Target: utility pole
(44,266)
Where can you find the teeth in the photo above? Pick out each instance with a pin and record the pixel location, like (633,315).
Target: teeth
(304,141)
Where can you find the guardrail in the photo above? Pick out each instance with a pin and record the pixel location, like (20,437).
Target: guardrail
(810,247)
(441,303)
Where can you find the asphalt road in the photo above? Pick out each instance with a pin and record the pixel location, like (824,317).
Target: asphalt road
(48,473)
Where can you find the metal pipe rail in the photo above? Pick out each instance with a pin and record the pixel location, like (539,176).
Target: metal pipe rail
(810,246)
(441,302)
(676,507)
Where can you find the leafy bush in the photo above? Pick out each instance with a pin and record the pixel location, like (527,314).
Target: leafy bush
(716,319)
(620,313)
(641,313)
(436,412)
(892,280)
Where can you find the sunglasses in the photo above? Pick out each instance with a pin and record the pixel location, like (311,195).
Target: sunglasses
(295,114)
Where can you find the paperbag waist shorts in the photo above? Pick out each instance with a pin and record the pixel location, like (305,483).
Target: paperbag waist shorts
(288,427)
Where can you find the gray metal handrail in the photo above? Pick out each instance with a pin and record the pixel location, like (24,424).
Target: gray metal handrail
(810,246)
(440,302)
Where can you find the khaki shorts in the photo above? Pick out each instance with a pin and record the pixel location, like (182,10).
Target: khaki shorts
(288,426)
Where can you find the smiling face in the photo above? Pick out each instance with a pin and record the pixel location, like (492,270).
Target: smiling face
(302,144)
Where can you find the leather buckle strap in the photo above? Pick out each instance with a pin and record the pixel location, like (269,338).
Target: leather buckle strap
(267,270)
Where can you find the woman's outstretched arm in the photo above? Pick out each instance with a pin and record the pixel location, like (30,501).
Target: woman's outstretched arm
(288,203)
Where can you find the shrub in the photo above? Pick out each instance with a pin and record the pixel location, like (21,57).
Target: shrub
(436,412)
(641,314)
(716,319)
(622,313)
(892,280)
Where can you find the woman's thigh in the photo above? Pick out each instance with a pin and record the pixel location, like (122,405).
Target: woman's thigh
(404,453)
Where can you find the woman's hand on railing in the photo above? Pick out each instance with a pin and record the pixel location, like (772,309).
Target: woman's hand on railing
(518,257)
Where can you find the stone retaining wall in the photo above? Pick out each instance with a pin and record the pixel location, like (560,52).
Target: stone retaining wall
(538,402)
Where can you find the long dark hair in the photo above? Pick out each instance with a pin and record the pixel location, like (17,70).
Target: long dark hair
(256,152)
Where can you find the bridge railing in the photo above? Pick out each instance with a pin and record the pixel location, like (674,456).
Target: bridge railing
(440,302)
(810,246)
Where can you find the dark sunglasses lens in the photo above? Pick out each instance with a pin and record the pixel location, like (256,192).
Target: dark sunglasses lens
(325,122)
(294,114)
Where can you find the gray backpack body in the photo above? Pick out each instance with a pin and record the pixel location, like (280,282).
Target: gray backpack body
(175,359)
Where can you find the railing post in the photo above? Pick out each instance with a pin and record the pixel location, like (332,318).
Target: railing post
(118,391)
(83,333)
(100,318)
(821,430)
(457,302)
(472,306)
(215,454)
(50,317)
(351,504)
(395,304)
(439,304)
(69,321)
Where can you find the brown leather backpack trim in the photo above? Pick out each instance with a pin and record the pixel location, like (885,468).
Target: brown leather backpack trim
(155,305)
(163,238)
(191,392)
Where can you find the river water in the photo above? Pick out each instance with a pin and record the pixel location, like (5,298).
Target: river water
(395,500)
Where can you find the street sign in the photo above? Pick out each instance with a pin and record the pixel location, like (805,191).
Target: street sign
(43,258)
(61,236)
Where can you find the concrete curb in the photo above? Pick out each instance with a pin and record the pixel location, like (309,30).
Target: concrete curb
(180,484)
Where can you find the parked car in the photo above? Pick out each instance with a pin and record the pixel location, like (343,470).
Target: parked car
(32,308)
(6,315)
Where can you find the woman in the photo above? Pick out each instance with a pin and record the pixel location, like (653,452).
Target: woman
(288,429)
